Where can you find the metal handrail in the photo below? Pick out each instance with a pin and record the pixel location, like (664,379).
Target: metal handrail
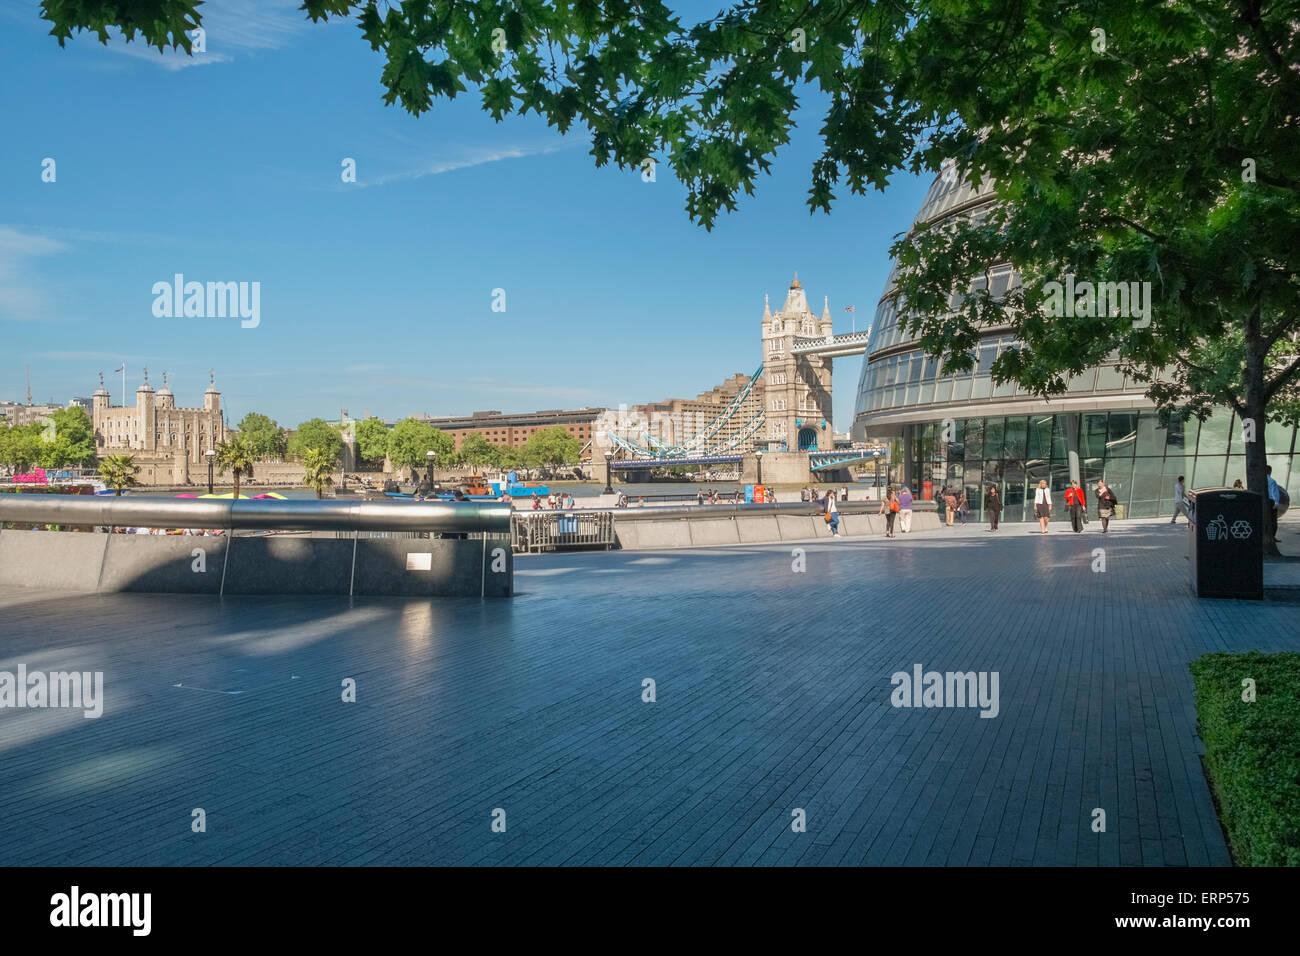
(234,514)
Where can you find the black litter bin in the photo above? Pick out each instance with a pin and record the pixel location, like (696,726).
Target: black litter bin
(1225,543)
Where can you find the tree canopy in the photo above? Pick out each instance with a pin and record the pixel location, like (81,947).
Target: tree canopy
(411,440)
(318,434)
(372,439)
(549,447)
(264,435)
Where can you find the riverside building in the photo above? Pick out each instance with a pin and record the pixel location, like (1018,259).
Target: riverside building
(1102,428)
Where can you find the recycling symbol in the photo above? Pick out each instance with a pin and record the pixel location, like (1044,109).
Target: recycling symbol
(1241,529)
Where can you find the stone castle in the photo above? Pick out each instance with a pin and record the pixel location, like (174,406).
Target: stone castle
(167,443)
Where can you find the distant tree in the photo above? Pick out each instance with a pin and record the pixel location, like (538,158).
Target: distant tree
(118,472)
(477,450)
(20,446)
(319,467)
(236,456)
(372,439)
(411,440)
(264,435)
(550,447)
(316,433)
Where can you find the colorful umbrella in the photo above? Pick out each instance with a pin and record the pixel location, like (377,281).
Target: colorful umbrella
(270,494)
(187,495)
(228,494)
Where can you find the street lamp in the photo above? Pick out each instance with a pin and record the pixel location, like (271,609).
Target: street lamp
(211,456)
(429,456)
(609,474)
(758,457)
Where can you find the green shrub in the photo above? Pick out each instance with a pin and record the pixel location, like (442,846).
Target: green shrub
(1252,751)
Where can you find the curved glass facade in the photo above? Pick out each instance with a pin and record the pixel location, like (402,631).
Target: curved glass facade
(962,431)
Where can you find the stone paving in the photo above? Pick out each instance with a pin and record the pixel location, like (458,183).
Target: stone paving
(772,691)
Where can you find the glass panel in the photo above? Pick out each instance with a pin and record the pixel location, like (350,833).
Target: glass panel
(1123,434)
(1150,436)
(1214,437)
(980,387)
(1146,499)
(1177,436)
(1013,438)
(1277,441)
(1060,447)
(1236,469)
(1109,378)
(972,436)
(1092,436)
(1209,472)
(1040,437)
(943,389)
(961,389)
(994,430)
(1083,383)
(1013,475)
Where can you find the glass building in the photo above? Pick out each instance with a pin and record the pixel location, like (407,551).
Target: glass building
(961,431)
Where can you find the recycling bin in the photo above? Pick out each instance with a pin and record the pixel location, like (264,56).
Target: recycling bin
(1225,543)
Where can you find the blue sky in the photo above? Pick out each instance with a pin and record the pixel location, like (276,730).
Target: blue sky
(376,295)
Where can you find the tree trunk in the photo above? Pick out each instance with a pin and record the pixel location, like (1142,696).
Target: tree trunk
(1257,450)
(236,495)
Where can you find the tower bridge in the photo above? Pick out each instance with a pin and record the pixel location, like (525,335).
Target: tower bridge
(784,407)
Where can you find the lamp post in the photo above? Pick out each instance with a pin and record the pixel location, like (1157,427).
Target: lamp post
(429,457)
(211,456)
(609,474)
(758,458)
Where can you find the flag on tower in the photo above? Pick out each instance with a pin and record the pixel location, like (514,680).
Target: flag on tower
(120,368)
(848,308)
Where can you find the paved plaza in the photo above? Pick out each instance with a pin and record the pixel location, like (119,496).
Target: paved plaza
(772,694)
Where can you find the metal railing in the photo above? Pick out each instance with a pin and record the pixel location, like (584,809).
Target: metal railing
(231,514)
(559,530)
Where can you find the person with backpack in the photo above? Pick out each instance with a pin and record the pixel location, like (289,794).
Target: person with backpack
(904,509)
(1106,502)
(993,507)
(889,508)
(832,514)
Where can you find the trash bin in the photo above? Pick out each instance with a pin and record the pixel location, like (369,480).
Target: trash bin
(1225,543)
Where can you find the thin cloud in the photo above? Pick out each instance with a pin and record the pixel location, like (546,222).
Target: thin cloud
(21,297)
(480,157)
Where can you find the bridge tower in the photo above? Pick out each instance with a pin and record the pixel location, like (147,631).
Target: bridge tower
(797,387)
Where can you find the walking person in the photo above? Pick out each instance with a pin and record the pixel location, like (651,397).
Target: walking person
(941,506)
(699,497)
(1274,500)
(1043,504)
(993,506)
(950,500)
(904,501)
(1078,507)
(832,513)
(963,508)
(1106,502)
(889,508)
(1180,501)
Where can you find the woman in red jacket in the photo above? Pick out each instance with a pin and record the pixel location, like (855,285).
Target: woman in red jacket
(1078,507)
